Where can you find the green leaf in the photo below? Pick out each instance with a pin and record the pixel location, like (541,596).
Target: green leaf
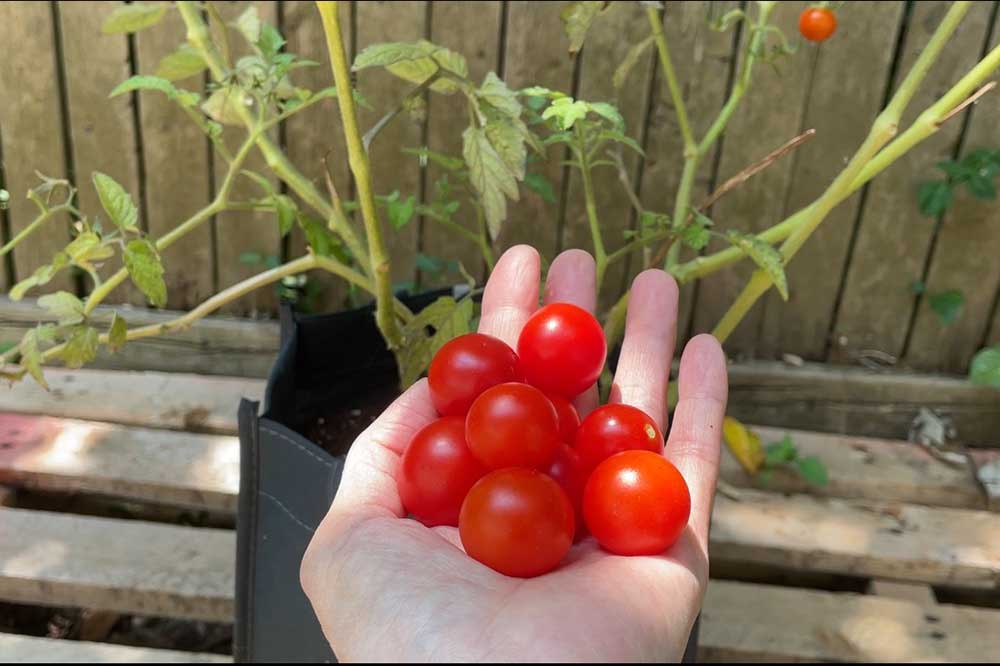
(445,161)
(64,306)
(812,470)
(934,198)
(285,208)
(31,357)
(81,346)
(415,62)
(319,238)
(947,305)
(490,176)
(118,333)
(610,113)
(41,276)
(539,91)
(117,202)
(506,139)
(540,185)
(428,331)
(765,256)
(576,18)
(985,367)
(183,97)
(144,267)
(778,453)
(251,258)
(630,61)
(132,18)
(87,248)
(181,64)
(388,53)
(956,171)
(223,105)
(696,234)
(982,187)
(270,41)
(496,93)
(401,212)
(248,24)
(428,264)
(618,137)
(566,111)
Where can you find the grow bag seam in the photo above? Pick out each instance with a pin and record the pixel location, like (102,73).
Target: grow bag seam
(297,445)
(307,528)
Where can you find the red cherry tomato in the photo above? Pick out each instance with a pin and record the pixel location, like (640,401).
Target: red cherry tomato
(517,521)
(562,349)
(636,503)
(566,470)
(611,429)
(465,367)
(817,24)
(437,471)
(569,420)
(512,425)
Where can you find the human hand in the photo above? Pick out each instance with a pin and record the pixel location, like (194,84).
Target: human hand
(387,588)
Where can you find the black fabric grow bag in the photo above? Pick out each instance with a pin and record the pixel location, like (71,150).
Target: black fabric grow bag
(287,482)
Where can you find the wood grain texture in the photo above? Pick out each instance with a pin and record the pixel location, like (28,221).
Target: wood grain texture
(769,624)
(31,131)
(35,650)
(918,593)
(479,41)
(155,466)
(536,54)
(178,174)
(391,169)
(702,59)
(150,399)
(841,116)
(212,346)
(129,566)
(759,126)
(893,238)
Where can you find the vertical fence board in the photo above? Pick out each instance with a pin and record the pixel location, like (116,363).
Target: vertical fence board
(894,238)
(240,232)
(32,131)
(316,132)
(609,40)
(967,258)
(770,114)
(477,40)
(702,59)
(536,54)
(391,168)
(175,156)
(841,115)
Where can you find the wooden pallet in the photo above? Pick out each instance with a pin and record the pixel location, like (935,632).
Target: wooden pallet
(890,512)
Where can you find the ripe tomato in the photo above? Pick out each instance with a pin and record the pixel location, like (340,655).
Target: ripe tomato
(512,425)
(566,470)
(569,420)
(517,521)
(437,471)
(562,349)
(817,24)
(611,429)
(465,367)
(636,503)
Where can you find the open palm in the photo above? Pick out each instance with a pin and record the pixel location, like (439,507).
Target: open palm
(386,588)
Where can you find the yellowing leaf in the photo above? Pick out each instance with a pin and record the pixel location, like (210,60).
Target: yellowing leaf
(415,62)
(117,202)
(765,256)
(744,444)
(31,357)
(224,105)
(133,17)
(576,18)
(64,306)
(630,61)
(490,176)
(144,267)
(81,346)
(445,319)
(118,333)
(181,64)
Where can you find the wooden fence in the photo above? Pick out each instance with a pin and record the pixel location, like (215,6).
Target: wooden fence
(851,286)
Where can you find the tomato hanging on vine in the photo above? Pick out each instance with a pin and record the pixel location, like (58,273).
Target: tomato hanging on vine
(817,23)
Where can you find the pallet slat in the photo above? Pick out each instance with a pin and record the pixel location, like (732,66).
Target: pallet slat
(121,565)
(34,650)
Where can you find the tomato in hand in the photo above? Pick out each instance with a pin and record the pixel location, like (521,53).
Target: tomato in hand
(817,24)
(636,503)
(465,367)
(611,429)
(566,470)
(569,419)
(562,349)
(437,471)
(512,425)
(517,521)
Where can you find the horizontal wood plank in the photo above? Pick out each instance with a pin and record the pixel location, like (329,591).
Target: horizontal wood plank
(763,623)
(129,566)
(36,650)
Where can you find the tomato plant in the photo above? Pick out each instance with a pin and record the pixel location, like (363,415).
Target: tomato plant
(518,522)
(636,503)
(465,367)
(611,429)
(562,349)
(437,471)
(512,425)
(817,24)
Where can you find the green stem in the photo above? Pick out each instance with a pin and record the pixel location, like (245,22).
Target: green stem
(600,255)
(358,158)
(484,239)
(35,224)
(656,23)
(681,204)
(623,251)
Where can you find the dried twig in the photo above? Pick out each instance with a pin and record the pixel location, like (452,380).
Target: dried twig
(971,100)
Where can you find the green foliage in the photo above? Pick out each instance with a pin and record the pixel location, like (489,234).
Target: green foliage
(31,356)
(183,63)
(765,256)
(63,306)
(117,333)
(784,453)
(934,198)
(144,268)
(81,346)
(416,62)
(400,211)
(977,171)
(577,18)
(429,330)
(985,367)
(696,234)
(183,97)
(541,186)
(490,176)
(947,305)
(133,17)
(117,202)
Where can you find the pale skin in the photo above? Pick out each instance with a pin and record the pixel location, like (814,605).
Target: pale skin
(386,588)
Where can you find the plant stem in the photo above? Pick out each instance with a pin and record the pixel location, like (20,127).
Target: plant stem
(656,23)
(600,255)
(358,158)
(621,252)
(484,238)
(43,217)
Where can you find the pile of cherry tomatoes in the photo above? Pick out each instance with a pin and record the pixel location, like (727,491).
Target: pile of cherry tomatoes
(512,466)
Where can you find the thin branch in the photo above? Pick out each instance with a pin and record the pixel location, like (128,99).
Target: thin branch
(623,178)
(370,135)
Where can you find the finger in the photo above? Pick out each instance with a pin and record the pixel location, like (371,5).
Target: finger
(572,279)
(693,445)
(368,484)
(511,294)
(650,328)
